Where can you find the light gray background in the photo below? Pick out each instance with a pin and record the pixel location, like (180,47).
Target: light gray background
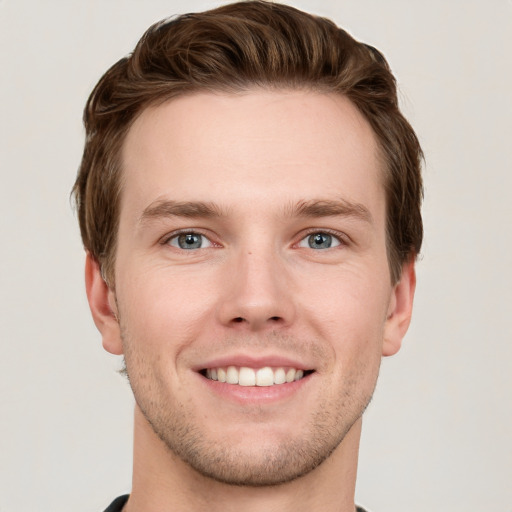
(438,434)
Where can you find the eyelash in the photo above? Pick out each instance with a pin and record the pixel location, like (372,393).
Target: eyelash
(166,240)
(341,238)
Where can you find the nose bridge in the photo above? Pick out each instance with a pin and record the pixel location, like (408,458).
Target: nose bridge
(258,289)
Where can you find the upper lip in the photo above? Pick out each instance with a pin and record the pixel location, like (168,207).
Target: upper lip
(260,361)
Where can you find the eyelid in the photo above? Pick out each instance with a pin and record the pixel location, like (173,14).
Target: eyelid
(342,238)
(185,231)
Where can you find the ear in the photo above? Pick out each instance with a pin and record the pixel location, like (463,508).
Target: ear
(400,310)
(103,306)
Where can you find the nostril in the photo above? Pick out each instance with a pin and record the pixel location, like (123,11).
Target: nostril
(271,320)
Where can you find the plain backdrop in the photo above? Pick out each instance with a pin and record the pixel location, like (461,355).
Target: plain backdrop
(438,435)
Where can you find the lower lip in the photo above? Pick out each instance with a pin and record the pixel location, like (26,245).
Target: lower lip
(247,395)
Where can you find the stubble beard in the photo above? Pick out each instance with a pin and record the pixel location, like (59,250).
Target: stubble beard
(271,464)
(274,465)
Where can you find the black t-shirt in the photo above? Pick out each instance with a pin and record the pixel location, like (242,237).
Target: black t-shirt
(118,504)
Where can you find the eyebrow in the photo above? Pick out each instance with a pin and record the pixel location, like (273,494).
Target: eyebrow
(330,208)
(189,209)
(199,209)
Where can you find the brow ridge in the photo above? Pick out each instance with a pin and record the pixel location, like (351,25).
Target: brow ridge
(199,209)
(189,209)
(331,208)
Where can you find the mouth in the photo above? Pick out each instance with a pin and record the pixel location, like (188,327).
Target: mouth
(245,376)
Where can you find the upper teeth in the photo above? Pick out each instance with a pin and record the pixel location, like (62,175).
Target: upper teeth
(244,376)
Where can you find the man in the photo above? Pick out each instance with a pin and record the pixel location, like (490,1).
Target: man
(249,199)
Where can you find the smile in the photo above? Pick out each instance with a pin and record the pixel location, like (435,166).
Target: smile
(245,376)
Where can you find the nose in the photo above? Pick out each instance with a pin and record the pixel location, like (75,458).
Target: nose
(257,293)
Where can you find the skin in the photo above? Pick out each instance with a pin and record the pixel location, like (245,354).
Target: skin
(274,168)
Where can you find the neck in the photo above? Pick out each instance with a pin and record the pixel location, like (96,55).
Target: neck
(162,481)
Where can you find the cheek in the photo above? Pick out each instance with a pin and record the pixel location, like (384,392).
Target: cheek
(350,312)
(349,299)
(159,308)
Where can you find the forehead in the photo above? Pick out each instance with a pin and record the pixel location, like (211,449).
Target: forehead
(250,147)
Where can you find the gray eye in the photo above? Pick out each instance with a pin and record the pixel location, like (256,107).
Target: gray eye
(189,241)
(319,240)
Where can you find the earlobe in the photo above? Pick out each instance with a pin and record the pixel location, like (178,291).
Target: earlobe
(400,310)
(103,306)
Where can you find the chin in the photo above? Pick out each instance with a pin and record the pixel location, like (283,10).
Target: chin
(251,459)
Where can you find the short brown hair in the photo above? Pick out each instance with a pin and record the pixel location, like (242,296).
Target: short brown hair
(237,47)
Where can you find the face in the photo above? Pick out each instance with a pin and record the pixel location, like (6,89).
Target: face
(252,285)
